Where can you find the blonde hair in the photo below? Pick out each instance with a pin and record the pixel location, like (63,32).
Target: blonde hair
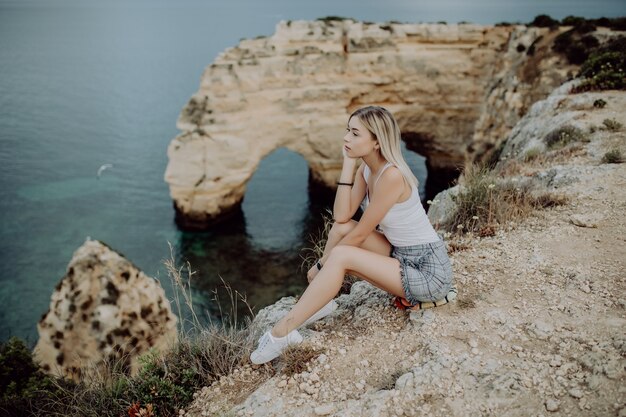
(383,126)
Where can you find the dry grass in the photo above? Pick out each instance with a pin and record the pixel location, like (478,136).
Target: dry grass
(454,246)
(612,125)
(487,201)
(465,303)
(295,359)
(311,255)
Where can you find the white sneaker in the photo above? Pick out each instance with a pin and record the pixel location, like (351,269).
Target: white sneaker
(323,312)
(270,347)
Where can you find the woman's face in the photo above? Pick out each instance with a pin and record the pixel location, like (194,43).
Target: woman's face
(358,141)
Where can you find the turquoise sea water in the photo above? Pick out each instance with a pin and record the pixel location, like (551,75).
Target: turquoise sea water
(86,83)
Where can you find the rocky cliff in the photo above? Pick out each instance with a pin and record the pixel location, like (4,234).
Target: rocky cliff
(535,329)
(104,311)
(450,86)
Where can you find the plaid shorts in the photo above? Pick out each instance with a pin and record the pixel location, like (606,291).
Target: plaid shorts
(425,271)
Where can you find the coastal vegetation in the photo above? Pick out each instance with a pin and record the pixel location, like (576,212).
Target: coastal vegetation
(165,383)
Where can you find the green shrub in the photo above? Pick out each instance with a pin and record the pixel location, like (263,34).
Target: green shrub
(585,27)
(612,125)
(604,62)
(590,41)
(24,388)
(614,156)
(602,81)
(575,47)
(564,135)
(543,21)
(617,23)
(328,19)
(572,20)
(520,47)
(599,103)
(605,68)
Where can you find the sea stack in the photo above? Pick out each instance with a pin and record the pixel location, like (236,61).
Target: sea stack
(104,311)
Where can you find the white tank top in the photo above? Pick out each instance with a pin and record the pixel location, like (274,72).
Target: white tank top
(406,223)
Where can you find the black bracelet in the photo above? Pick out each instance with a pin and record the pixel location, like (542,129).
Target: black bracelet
(345,183)
(319,265)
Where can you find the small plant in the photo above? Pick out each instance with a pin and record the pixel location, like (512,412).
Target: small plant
(543,21)
(328,19)
(599,103)
(572,21)
(612,125)
(520,47)
(614,156)
(466,303)
(564,135)
(532,154)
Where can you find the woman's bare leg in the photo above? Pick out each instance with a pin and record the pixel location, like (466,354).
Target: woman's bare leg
(378,269)
(376,243)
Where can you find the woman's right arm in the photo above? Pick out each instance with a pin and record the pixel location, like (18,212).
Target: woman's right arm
(348,199)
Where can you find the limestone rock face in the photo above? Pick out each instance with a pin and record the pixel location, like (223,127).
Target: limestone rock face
(297,88)
(103,310)
(519,80)
(560,111)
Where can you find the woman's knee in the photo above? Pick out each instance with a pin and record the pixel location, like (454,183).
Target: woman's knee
(342,229)
(340,254)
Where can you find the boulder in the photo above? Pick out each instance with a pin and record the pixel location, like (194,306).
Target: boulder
(103,312)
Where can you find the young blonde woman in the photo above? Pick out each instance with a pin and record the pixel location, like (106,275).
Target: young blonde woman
(393,246)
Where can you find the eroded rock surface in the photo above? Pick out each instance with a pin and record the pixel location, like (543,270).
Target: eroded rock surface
(296,89)
(103,310)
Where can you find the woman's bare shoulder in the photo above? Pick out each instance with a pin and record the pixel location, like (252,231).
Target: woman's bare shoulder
(392,175)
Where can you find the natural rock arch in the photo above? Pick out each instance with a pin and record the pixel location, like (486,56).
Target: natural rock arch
(296,89)
(221,170)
